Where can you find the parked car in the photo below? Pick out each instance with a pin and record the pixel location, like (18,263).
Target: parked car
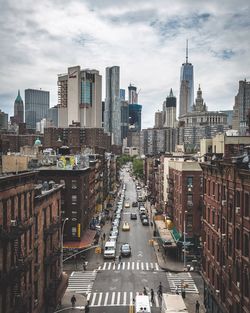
(143,216)
(133,216)
(125,250)
(134,204)
(125,226)
(145,222)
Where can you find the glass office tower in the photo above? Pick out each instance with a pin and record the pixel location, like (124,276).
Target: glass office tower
(186,100)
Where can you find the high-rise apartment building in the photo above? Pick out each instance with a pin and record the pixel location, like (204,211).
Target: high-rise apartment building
(186,87)
(36,106)
(80,98)
(18,109)
(53,115)
(169,110)
(124,119)
(132,95)
(112,116)
(242,106)
(3,120)
(135,117)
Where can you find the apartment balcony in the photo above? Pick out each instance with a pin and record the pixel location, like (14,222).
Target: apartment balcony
(52,228)
(15,229)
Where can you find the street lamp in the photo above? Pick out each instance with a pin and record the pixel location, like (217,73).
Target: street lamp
(66,219)
(184,242)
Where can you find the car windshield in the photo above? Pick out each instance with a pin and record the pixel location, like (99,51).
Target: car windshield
(125,247)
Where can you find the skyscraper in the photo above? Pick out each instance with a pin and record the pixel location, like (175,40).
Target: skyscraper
(112,116)
(36,106)
(169,110)
(80,98)
(242,106)
(134,109)
(186,87)
(132,95)
(18,109)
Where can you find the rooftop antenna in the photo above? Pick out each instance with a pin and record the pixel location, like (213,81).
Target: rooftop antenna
(187,51)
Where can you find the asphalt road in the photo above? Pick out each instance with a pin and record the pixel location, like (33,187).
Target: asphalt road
(117,284)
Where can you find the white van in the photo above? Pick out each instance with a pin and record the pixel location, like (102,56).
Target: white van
(142,304)
(109,250)
(172,303)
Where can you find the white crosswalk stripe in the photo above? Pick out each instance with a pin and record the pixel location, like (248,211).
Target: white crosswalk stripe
(81,282)
(113,298)
(181,279)
(127,266)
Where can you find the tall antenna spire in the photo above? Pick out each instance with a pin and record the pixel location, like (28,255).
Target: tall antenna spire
(187,51)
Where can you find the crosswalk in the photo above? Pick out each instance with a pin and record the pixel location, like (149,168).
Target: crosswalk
(114,298)
(181,279)
(81,282)
(139,266)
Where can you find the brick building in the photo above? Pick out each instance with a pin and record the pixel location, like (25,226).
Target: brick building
(78,198)
(226,235)
(185,200)
(76,138)
(30,232)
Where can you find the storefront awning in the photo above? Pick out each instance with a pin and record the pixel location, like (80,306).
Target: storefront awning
(175,234)
(86,241)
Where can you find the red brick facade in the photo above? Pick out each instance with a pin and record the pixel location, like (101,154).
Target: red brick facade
(226,237)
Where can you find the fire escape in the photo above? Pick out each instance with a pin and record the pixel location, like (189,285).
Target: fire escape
(19,265)
(51,260)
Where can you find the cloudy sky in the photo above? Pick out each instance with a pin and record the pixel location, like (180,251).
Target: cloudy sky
(40,39)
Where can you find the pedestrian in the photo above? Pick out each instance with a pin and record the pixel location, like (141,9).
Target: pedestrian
(176,290)
(104,236)
(84,265)
(145,291)
(120,258)
(160,290)
(197,307)
(87,307)
(152,296)
(73,301)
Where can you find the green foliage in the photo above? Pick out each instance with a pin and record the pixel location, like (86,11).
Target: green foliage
(138,168)
(123,159)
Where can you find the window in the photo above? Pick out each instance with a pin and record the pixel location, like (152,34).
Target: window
(74,184)
(237,198)
(190,181)
(50,213)
(237,239)
(62,182)
(74,199)
(246,279)
(73,231)
(230,280)
(246,245)
(224,193)
(230,212)
(230,247)
(190,199)
(213,188)
(246,205)
(237,272)
(213,216)
(12,214)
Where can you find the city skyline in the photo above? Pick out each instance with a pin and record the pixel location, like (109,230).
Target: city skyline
(148,44)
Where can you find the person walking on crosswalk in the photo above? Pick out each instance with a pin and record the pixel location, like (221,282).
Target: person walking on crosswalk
(152,296)
(73,301)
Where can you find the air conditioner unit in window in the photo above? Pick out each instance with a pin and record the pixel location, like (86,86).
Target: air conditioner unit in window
(223,235)
(224,202)
(237,209)
(238,284)
(13,223)
(213,225)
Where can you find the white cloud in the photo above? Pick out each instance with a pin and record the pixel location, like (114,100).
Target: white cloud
(39,40)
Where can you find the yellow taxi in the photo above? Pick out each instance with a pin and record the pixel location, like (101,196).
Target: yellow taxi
(125,226)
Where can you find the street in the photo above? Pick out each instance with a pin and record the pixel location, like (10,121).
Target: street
(110,285)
